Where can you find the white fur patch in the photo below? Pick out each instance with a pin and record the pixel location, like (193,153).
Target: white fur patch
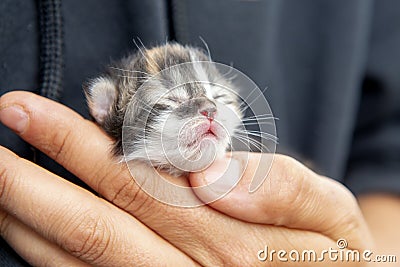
(201,74)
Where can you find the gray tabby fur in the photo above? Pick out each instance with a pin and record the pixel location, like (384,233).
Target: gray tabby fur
(174,95)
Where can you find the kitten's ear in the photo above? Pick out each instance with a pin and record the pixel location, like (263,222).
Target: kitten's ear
(100,95)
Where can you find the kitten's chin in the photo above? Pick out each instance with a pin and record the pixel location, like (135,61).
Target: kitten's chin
(178,162)
(209,149)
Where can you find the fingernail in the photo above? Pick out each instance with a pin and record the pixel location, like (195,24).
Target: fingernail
(14,117)
(222,176)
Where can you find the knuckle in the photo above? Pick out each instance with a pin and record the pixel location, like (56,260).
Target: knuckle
(4,223)
(108,179)
(130,197)
(87,237)
(3,181)
(125,193)
(7,182)
(138,202)
(123,190)
(59,142)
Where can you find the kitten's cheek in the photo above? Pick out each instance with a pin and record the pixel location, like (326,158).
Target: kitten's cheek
(220,131)
(214,128)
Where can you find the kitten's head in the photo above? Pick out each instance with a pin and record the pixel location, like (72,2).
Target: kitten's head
(168,105)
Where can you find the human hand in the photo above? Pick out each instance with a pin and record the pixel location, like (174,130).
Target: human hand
(42,211)
(52,222)
(292,197)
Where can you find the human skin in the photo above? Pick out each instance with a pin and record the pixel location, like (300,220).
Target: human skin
(52,222)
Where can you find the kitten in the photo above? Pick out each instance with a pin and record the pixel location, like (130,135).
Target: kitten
(168,106)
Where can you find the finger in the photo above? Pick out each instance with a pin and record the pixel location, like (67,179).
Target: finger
(32,247)
(85,226)
(292,196)
(62,134)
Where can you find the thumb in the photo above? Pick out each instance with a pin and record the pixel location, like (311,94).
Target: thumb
(291,195)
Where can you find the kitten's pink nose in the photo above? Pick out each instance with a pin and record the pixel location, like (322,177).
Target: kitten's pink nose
(209,113)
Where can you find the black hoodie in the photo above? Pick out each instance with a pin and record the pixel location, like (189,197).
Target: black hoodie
(332,69)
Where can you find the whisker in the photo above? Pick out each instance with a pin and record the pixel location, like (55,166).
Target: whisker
(232,77)
(252,91)
(159,67)
(224,76)
(131,71)
(206,45)
(151,111)
(259,145)
(255,98)
(142,78)
(265,136)
(133,77)
(148,127)
(258,123)
(132,127)
(267,115)
(228,72)
(256,132)
(259,119)
(262,147)
(243,142)
(248,141)
(144,103)
(165,52)
(141,51)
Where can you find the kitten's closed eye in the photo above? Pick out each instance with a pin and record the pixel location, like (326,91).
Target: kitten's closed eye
(216,97)
(162,107)
(176,100)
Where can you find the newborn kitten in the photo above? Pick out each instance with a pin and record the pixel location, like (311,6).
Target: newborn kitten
(168,106)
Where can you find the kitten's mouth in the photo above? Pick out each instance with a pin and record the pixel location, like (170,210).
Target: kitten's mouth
(205,132)
(209,133)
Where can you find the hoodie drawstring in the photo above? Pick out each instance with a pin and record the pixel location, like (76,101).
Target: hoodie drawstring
(51,49)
